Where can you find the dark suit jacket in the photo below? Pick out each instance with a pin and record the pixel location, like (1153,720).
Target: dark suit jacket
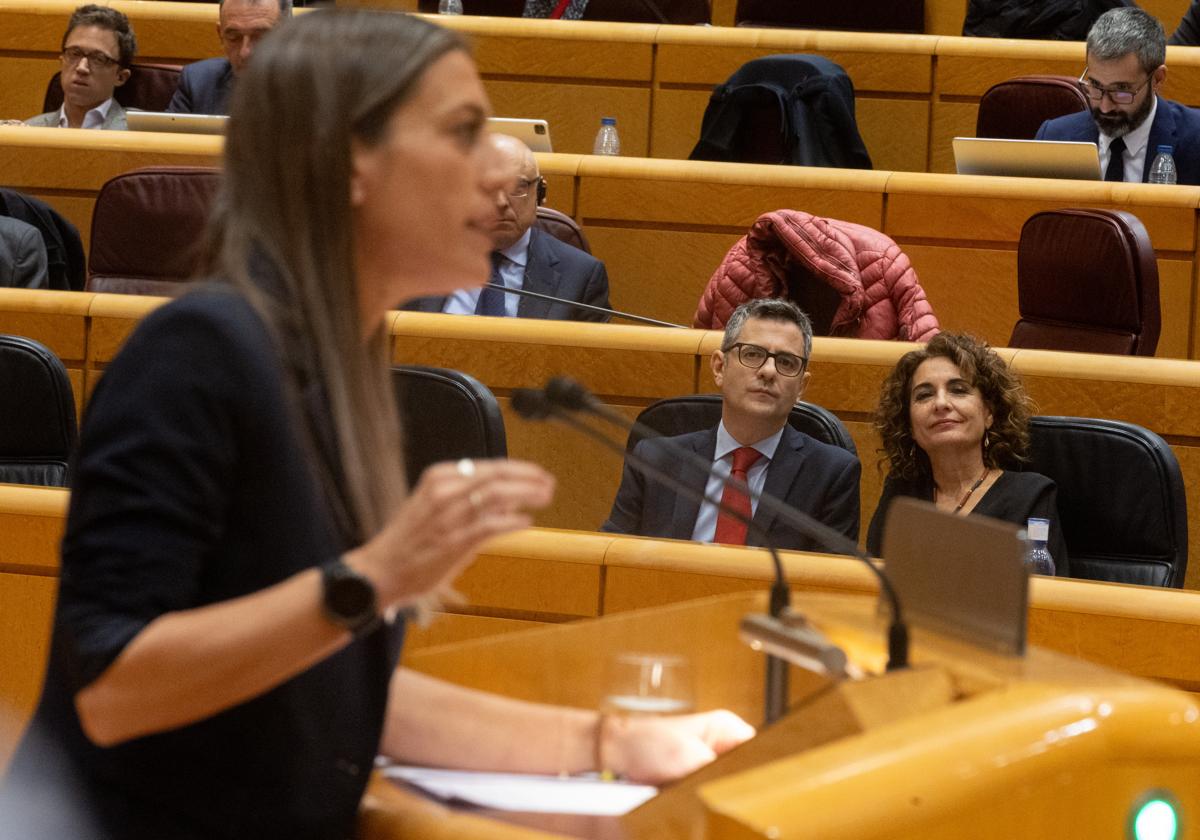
(813,477)
(552,268)
(1174,125)
(1188,32)
(204,88)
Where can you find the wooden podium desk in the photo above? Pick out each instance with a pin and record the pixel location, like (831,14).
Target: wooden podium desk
(964,744)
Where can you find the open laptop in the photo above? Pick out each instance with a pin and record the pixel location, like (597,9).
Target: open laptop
(534,133)
(1027,158)
(175,123)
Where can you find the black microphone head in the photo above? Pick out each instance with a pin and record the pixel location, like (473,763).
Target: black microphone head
(565,392)
(531,404)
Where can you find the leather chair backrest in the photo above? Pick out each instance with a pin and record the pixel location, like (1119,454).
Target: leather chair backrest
(1120,497)
(696,412)
(855,15)
(148,228)
(1015,109)
(446,415)
(37,414)
(562,227)
(1087,281)
(149,88)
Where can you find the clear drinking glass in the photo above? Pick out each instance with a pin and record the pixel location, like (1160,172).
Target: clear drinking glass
(648,684)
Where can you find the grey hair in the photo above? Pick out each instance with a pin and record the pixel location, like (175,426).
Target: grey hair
(285,6)
(771,309)
(1119,32)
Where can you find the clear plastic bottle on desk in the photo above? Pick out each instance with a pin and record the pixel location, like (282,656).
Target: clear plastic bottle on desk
(1038,560)
(1162,170)
(450,7)
(607,141)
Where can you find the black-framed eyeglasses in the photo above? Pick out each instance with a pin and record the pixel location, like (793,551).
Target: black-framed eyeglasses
(524,187)
(753,356)
(1120,96)
(73,55)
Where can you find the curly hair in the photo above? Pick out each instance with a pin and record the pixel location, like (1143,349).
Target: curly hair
(1005,444)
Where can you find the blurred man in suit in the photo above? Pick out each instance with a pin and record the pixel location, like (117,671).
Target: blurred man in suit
(527,258)
(205,86)
(1126,55)
(97,49)
(761,371)
(22,255)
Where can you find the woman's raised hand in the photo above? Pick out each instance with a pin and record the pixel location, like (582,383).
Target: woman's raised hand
(454,508)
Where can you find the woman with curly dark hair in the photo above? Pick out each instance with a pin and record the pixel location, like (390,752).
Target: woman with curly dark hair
(954,421)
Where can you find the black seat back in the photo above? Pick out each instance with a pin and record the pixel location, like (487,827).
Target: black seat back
(695,412)
(446,415)
(1120,496)
(37,414)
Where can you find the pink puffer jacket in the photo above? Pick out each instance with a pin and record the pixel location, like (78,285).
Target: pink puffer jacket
(881,295)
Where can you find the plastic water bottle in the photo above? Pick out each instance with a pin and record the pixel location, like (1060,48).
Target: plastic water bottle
(607,141)
(1038,560)
(450,7)
(1162,170)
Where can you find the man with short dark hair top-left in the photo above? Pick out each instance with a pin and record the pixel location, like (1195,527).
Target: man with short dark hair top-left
(97,49)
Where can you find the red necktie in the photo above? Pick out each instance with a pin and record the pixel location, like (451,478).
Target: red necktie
(729,530)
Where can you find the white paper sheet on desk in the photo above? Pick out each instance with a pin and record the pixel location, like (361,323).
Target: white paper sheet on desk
(519,792)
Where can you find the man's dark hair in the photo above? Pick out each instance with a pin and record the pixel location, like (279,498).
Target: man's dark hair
(1119,32)
(285,6)
(106,18)
(771,309)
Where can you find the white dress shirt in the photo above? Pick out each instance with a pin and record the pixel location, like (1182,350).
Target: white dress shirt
(1135,148)
(512,273)
(92,119)
(756,477)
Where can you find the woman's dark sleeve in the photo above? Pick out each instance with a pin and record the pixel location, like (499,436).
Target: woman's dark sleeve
(157,455)
(1045,506)
(875,529)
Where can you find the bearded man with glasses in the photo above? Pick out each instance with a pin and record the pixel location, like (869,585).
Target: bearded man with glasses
(97,49)
(1126,55)
(761,370)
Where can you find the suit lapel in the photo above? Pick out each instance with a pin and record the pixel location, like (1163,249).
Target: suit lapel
(783,471)
(686,510)
(541,276)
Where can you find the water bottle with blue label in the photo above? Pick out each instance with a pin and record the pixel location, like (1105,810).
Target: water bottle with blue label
(1162,170)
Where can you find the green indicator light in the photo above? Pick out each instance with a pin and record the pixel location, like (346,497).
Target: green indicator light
(1156,820)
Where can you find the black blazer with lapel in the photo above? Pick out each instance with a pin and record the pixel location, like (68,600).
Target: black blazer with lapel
(552,268)
(816,478)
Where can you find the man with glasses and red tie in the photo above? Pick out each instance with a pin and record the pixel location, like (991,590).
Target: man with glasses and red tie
(526,258)
(1129,121)
(97,50)
(761,370)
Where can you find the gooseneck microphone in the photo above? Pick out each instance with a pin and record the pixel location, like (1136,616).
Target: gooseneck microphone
(586,307)
(562,397)
(535,405)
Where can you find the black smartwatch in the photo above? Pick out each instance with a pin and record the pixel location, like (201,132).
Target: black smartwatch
(349,598)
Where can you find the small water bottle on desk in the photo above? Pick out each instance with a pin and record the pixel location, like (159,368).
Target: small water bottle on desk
(1162,170)
(450,7)
(607,141)
(1038,560)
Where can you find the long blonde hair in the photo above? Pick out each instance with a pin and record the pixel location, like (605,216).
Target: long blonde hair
(282,231)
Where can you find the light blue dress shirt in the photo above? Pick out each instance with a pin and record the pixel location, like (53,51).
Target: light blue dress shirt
(756,477)
(512,272)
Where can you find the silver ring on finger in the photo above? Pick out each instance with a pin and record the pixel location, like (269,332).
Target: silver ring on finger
(475,497)
(465,467)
